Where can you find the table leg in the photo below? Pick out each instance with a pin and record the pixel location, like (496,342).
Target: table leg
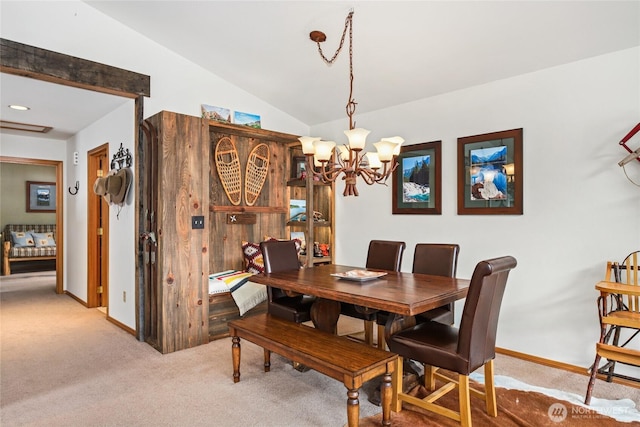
(325,314)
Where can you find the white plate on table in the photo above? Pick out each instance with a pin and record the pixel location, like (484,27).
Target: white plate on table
(359,275)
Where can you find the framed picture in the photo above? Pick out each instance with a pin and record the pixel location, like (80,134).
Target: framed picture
(417,179)
(490,173)
(216,113)
(41,196)
(298,167)
(246,119)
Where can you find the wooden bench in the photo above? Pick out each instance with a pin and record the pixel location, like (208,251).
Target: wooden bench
(338,357)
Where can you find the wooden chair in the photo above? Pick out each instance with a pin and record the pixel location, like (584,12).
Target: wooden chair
(281,255)
(460,350)
(382,255)
(619,312)
(439,259)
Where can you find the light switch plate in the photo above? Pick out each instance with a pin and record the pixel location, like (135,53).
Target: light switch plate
(197,222)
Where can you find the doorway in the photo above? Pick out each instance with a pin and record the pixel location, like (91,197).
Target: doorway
(97,232)
(59,209)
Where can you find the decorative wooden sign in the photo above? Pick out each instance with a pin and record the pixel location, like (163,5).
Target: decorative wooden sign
(241,218)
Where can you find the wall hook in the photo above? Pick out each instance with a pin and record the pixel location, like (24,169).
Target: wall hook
(77,188)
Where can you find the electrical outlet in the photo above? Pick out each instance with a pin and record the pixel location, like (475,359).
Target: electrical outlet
(197,222)
(124,296)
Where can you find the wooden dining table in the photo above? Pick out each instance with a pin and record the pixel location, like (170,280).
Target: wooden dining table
(404,295)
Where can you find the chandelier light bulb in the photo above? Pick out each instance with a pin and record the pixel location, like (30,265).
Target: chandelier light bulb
(307,144)
(396,140)
(374,160)
(357,138)
(324,149)
(343,151)
(385,150)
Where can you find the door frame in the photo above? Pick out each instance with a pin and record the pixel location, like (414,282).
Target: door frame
(59,209)
(54,67)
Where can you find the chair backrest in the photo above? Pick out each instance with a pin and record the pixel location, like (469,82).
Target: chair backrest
(477,335)
(279,255)
(439,259)
(385,255)
(628,273)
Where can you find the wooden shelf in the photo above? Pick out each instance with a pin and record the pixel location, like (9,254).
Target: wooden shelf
(304,224)
(302,183)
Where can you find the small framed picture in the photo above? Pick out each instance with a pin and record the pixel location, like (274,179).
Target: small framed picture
(417,180)
(246,119)
(41,196)
(216,113)
(298,167)
(490,173)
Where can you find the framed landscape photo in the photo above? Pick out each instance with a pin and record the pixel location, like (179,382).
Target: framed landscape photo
(41,196)
(417,179)
(490,174)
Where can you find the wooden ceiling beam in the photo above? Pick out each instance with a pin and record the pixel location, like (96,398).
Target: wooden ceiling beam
(29,61)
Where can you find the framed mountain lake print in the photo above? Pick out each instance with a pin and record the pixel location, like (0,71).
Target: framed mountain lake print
(490,173)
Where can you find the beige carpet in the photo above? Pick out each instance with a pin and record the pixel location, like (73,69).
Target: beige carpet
(64,365)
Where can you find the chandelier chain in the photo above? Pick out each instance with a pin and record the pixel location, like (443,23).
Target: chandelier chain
(347,24)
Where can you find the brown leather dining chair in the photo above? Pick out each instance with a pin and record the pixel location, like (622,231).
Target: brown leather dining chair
(458,350)
(281,255)
(438,259)
(382,255)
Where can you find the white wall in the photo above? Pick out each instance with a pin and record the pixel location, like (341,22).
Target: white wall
(114,129)
(579,209)
(176,85)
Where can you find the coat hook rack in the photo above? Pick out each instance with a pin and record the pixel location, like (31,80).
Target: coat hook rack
(122,158)
(73,193)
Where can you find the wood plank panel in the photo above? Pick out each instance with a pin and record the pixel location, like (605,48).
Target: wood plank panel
(183,252)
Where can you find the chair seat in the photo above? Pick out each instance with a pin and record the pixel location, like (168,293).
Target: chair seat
(432,343)
(440,314)
(295,309)
(351,311)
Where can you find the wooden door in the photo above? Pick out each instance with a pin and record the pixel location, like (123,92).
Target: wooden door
(97,232)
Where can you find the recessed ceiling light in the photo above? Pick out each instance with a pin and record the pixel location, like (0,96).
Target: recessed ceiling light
(19,107)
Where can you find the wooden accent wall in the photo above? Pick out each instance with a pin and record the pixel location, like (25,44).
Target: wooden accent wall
(181,292)
(271,208)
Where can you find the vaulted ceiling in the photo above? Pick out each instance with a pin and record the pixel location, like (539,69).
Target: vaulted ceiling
(402,51)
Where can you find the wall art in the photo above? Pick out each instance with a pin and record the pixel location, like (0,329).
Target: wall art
(490,174)
(417,179)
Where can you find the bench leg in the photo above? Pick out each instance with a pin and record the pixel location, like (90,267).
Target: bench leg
(353,408)
(267,360)
(235,355)
(386,394)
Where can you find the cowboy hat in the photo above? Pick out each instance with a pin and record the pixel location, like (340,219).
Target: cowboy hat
(118,185)
(100,188)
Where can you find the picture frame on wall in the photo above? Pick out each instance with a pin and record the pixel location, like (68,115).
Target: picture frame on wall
(41,196)
(417,180)
(490,173)
(298,167)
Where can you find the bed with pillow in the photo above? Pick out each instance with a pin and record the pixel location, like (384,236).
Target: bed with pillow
(27,242)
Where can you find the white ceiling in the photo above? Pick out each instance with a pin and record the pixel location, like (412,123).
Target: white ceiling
(403,50)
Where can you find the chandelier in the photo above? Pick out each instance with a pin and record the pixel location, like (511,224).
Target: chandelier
(349,160)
